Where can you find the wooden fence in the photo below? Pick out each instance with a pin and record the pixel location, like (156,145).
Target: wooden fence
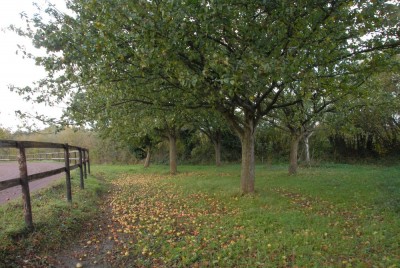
(82,162)
(53,156)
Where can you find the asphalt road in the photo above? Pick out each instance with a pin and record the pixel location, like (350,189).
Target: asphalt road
(9,170)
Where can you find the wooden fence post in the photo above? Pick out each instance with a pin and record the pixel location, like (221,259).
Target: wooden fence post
(88,161)
(23,174)
(67,173)
(81,168)
(84,163)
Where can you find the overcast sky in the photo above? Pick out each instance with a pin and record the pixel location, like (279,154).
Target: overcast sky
(15,70)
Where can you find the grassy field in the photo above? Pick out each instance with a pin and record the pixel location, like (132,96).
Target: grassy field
(336,215)
(330,216)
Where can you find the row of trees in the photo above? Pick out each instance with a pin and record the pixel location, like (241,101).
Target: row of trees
(145,70)
(333,140)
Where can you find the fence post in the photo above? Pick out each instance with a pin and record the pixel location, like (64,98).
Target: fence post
(23,175)
(81,168)
(84,163)
(88,161)
(67,173)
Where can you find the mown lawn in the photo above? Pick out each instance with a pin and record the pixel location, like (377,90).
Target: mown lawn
(330,216)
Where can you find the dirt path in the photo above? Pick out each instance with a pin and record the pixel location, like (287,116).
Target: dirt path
(96,247)
(10,170)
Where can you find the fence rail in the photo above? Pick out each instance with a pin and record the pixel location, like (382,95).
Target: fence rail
(54,156)
(81,161)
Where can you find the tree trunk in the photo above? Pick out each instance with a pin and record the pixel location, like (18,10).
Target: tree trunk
(172,154)
(307,148)
(148,155)
(248,159)
(217,147)
(294,146)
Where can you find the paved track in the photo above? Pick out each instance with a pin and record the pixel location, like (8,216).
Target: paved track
(10,170)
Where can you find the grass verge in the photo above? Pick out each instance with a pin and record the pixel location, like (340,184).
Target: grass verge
(56,222)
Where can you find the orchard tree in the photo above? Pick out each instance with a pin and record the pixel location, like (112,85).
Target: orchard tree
(211,124)
(140,136)
(299,122)
(318,97)
(137,123)
(235,57)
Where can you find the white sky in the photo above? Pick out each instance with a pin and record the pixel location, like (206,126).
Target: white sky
(15,70)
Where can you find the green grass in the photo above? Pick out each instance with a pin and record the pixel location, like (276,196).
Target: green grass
(55,221)
(332,216)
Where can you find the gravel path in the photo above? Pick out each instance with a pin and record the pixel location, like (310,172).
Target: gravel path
(10,170)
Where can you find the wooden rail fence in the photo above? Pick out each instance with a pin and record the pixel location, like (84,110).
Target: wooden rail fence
(54,156)
(82,162)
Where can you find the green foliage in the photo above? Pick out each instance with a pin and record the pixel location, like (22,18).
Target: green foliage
(189,141)
(4,133)
(204,150)
(370,126)
(201,153)
(272,144)
(139,153)
(230,147)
